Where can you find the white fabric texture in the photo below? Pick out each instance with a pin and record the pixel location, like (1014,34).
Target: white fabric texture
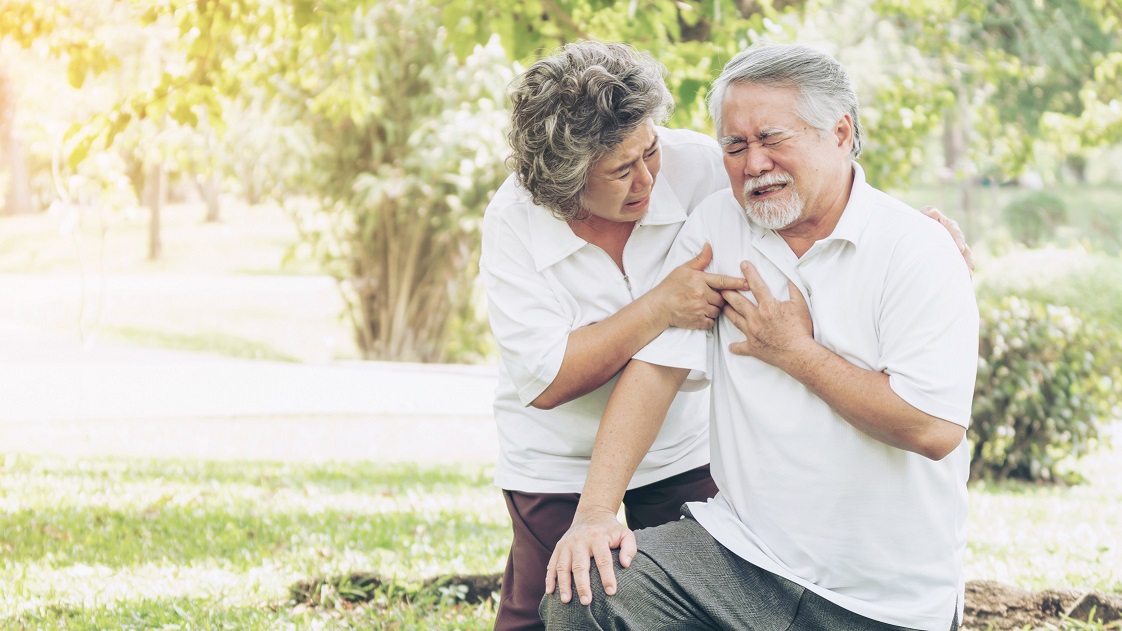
(803,494)
(543,282)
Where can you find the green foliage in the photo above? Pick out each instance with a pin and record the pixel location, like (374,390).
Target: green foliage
(1049,382)
(693,38)
(1090,283)
(1033,217)
(407,148)
(63,29)
(1017,69)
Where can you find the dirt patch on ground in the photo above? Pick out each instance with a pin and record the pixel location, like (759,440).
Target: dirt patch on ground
(989,606)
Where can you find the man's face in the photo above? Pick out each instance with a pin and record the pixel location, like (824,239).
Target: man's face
(620,184)
(781,169)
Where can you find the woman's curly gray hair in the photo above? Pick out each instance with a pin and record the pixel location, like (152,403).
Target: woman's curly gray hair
(572,108)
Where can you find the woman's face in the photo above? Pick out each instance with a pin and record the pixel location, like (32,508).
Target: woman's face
(620,184)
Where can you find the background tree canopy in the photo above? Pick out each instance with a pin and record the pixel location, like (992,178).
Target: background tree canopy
(379,123)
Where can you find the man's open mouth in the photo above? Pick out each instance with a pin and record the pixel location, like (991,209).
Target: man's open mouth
(764,190)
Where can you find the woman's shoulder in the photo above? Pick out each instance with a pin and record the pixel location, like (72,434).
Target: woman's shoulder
(685,140)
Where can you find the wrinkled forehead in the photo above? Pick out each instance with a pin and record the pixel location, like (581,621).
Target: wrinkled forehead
(752,110)
(631,148)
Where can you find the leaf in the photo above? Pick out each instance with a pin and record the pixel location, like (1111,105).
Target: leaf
(80,151)
(77,68)
(303,12)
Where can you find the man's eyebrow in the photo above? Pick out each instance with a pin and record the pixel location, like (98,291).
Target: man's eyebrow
(767,133)
(727,141)
(628,165)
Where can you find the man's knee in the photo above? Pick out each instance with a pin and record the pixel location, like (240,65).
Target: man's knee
(559,615)
(573,615)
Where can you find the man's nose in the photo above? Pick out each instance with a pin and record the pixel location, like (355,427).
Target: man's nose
(757,161)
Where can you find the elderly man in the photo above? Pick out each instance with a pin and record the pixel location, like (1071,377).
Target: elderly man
(841,392)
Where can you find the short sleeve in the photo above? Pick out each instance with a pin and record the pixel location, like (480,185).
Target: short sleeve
(929,330)
(530,323)
(675,347)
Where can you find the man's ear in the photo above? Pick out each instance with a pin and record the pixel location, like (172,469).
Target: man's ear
(843,131)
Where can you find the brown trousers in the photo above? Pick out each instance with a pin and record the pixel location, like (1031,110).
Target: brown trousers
(540,520)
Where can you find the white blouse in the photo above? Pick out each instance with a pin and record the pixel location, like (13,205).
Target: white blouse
(543,282)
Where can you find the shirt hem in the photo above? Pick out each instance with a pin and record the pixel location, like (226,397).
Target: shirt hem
(704,514)
(509,481)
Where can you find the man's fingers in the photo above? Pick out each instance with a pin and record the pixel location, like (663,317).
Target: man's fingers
(756,283)
(701,261)
(627,549)
(734,316)
(720,281)
(737,301)
(741,348)
(604,563)
(796,295)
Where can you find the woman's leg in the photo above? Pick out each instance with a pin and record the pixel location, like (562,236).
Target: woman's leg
(661,502)
(539,520)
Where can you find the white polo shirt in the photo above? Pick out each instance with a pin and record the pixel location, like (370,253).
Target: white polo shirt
(803,494)
(543,282)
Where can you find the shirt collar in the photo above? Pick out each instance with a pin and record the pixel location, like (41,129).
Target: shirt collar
(553,240)
(858,210)
(851,225)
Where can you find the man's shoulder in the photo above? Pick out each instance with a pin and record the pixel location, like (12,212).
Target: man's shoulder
(895,222)
(717,207)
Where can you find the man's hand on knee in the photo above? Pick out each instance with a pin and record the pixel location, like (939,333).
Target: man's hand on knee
(593,535)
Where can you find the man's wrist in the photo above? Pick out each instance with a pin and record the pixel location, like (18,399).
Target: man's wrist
(801,358)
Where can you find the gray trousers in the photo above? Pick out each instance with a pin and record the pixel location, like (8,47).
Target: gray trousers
(683,580)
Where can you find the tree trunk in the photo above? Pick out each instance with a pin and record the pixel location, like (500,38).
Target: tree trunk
(155,185)
(965,172)
(209,190)
(956,137)
(17,199)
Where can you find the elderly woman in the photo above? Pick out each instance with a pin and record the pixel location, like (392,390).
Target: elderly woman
(573,248)
(573,244)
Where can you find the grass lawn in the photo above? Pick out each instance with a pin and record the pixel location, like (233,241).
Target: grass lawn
(141,544)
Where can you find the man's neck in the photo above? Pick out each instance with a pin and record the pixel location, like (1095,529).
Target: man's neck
(819,222)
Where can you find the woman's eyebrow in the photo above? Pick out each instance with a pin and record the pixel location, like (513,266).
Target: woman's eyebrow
(628,165)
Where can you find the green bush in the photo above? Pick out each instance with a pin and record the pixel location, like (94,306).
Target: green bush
(1032,218)
(1049,382)
(1089,282)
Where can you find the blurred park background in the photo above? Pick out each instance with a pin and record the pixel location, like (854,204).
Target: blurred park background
(285,196)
